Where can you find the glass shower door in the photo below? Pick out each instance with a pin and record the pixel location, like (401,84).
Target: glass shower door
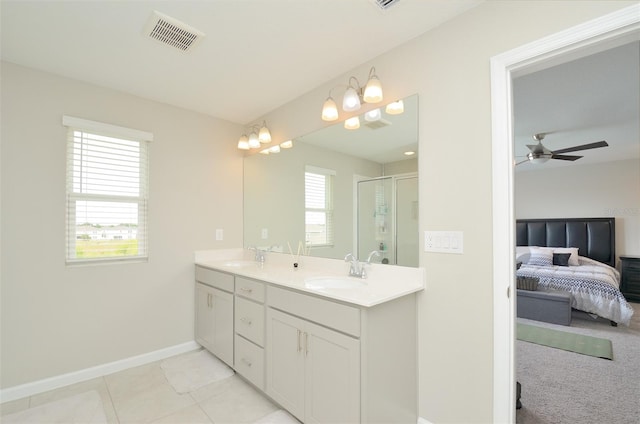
(375,219)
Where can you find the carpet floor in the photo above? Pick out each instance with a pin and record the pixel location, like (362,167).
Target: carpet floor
(565,387)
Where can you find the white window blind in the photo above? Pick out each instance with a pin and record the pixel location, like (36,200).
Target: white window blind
(107,192)
(318,194)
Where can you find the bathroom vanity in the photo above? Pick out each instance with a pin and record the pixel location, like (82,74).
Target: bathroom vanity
(325,346)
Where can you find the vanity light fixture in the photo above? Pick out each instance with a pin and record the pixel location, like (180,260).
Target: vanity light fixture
(352,123)
(259,135)
(287,144)
(354,96)
(395,108)
(409,153)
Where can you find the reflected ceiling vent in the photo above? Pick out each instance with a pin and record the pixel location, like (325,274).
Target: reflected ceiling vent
(374,125)
(385,4)
(172,32)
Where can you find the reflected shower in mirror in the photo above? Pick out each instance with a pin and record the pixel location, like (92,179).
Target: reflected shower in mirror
(340,190)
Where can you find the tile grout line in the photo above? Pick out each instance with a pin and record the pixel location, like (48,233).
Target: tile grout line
(113,404)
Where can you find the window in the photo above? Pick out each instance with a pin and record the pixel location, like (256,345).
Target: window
(318,199)
(107,191)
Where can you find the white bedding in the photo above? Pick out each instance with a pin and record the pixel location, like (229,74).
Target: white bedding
(594,287)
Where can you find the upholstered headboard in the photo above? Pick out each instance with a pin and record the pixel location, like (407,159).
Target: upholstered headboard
(594,237)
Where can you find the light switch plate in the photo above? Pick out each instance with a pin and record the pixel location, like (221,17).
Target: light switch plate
(443,241)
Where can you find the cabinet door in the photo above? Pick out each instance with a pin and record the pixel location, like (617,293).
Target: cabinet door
(223,325)
(204,316)
(285,361)
(332,376)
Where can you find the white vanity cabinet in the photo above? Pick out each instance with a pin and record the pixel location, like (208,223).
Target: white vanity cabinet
(249,330)
(312,371)
(214,312)
(330,362)
(322,356)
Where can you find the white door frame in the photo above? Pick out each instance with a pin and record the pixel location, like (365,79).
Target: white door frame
(599,34)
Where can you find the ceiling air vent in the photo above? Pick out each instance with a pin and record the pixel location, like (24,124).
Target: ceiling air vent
(385,4)
(172,32)
(375,125)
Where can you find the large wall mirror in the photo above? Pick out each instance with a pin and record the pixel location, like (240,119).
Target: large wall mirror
(338,190)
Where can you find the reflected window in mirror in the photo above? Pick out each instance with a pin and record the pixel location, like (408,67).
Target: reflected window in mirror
(318,195)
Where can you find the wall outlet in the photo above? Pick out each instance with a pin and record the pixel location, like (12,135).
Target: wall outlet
(265,233)
(219,234)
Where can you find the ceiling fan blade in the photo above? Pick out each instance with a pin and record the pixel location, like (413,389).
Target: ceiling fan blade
(565,157)
(595,145)
(526,160)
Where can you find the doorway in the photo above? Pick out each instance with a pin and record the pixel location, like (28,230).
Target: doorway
(597,35)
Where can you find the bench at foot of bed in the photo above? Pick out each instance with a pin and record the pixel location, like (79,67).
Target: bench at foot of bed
(545,305)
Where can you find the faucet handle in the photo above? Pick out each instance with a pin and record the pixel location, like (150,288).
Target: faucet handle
(349,257)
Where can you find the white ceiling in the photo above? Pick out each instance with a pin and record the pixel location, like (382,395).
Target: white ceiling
(256,55)
(582,101)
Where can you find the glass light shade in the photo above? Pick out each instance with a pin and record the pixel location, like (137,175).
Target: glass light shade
(352,123)
(243,142)
(409,153)
(253,140)
(373,115)
(538,158)
(264,152)
(287,144)
(350,101)
(274,149)
(329,110)
(373,90)
(264,136)
(395,108)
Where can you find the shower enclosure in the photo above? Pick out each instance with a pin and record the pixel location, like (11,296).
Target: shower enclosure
(387,219)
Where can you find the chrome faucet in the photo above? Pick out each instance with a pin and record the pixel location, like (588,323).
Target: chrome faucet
(357,269)
(260,255)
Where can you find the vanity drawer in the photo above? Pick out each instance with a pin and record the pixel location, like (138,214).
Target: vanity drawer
(213,278)
(250,289)
(249,320)
(249,361)
(324,312)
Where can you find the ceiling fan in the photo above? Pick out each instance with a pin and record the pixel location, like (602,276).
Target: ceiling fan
(540,154)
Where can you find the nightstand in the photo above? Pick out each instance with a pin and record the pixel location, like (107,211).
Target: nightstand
(630,280)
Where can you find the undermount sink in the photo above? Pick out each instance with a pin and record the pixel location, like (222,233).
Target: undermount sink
(334,283)
(240,263)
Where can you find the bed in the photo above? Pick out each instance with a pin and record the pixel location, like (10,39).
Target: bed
(574,255)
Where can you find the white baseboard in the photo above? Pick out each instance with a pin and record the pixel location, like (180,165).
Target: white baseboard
(423,421)
(29,389)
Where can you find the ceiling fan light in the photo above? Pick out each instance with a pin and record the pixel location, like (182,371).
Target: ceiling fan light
(264,136)
(254,142)
(352,123)
(538,158)
(243,142)
(351,100)
(395,108)
(373,115)
(329,110)
(373,90)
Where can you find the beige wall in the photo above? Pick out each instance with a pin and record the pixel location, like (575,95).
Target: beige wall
(597,190)
(449,68)
(58,319)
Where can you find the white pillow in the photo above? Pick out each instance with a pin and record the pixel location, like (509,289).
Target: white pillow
(541,257)
(573,259)
(523,253)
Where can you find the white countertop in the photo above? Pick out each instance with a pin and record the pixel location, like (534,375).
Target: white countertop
(384,282)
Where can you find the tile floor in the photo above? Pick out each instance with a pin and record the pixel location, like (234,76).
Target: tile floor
(143,395)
